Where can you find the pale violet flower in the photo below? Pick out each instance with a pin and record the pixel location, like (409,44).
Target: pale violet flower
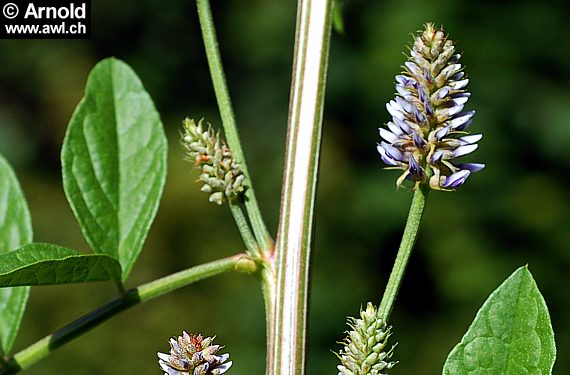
(193,355)
(427,132)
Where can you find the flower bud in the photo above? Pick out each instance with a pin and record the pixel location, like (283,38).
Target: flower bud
(364,346)
(220,173)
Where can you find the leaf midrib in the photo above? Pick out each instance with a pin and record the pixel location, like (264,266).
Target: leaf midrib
(517,319)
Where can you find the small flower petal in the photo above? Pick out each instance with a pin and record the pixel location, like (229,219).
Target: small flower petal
(404,104)
(387,135)
(385,158)
(464,150)
(174,345)
(471,167)
(418,115)
(402,90)
(163,356)
(461,98)
(395,110)
(402,124)
(470,139)
(464,126)
(395,128)
(457,179)
(457,76)
(393,152)
(413,68)
(458,85)
(440,133)
(461,119)
(418,140)
(415,170)
(437,156)
(222,368)
(404,80)
(440,94)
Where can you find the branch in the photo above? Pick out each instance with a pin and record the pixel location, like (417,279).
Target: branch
(42,348)
(228,120)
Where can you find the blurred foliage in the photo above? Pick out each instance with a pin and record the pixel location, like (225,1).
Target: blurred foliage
(515,212)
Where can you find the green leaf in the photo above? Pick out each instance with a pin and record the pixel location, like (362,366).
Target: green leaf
(15,231)
(47,264)
(114,162)
(511,334)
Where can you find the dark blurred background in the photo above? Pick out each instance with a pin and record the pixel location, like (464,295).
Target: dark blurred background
(513,213)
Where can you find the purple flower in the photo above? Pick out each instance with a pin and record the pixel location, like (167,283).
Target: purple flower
(428,127)
(193,355)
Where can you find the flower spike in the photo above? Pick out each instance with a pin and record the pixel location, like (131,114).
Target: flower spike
(427,130)
(193,355)
(220,173)
(364,351)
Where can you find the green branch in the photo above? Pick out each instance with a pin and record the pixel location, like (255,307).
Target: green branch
(42,348)
(228,120)
(244,229)
(408,240)
(294,237)
(263,246)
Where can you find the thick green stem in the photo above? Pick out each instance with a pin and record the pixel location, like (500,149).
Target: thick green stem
(408,240)
(299,184)
(228,120)
(42,348)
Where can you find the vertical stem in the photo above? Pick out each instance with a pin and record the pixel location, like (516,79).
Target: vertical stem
(244,229)
(228,120)
(408,240)
(268,288)
(299,181)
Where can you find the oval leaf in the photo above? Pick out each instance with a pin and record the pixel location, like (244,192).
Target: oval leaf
(47,264)
(15,231)
(114,162)
(511,334)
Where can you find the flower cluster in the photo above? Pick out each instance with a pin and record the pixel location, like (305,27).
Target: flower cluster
(220,173)
(428,127)
(193,355)
(363,352)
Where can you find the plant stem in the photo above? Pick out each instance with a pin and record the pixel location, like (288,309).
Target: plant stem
(262,236)
(244,229)
(42,348)
(408,240)
(268,288)
(228,120)
(299,183)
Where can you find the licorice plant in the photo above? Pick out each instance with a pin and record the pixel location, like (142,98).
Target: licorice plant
(114,169)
